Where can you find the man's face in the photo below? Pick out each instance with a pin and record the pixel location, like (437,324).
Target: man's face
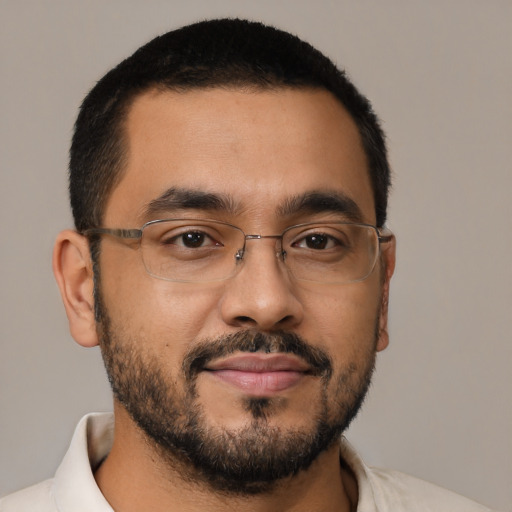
(246,374)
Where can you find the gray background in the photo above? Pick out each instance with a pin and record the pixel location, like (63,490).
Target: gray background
(439,74)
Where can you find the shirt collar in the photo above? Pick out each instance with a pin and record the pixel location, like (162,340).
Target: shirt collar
(74,485)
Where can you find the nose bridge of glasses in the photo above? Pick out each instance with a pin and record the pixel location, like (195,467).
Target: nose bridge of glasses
(278,248)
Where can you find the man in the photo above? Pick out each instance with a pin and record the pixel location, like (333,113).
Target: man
(229,188)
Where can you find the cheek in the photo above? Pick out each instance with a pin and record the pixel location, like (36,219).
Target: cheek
(167,317)
(343,320)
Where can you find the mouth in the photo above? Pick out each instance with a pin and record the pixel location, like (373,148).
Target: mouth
(260,375)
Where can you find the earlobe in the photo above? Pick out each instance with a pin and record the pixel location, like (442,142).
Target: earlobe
(72,268)
(388,265)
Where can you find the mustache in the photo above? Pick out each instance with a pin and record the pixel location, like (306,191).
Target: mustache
(249,341)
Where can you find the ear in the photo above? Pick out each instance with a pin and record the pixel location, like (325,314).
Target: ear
(72,267)
(388,258)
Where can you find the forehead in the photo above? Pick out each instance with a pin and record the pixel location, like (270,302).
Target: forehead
(259,149)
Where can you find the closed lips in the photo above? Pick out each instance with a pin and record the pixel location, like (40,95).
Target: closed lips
(260,374)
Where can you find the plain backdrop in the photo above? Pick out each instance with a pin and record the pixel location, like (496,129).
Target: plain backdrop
(439,74)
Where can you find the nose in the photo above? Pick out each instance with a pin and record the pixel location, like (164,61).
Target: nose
(261,295)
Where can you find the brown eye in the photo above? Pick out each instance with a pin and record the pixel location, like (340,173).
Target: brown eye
(191,240)
(317,241)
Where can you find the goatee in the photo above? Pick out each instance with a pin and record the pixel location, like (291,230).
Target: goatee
(248,460)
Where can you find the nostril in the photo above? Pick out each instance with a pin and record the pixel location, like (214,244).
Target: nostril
(245,320)
(286,320)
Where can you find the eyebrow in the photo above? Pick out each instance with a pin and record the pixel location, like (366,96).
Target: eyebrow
(312,202)
(319,201)
(188,199)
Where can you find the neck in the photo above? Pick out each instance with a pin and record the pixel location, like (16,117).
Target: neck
(135,477)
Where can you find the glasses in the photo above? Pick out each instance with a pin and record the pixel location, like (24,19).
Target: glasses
(196,250)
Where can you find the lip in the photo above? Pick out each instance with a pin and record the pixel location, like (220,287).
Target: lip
(260,374)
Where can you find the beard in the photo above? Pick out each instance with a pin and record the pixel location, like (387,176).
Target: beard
(252,459)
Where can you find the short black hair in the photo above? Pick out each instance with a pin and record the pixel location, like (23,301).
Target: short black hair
(214,53)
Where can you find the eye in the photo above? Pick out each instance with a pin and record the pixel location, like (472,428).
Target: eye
(191,240)
(317,241)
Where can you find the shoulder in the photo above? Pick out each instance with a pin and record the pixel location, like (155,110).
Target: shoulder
(73,486)
(38,498)
(394,490)
(386,490)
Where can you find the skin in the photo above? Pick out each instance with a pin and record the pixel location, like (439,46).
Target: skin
(260,148)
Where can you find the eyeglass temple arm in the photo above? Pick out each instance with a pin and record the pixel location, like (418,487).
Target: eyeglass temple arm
(385,235)
(120,233)
(383,239)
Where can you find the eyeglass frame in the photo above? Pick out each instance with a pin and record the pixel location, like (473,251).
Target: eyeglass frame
(137,234)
